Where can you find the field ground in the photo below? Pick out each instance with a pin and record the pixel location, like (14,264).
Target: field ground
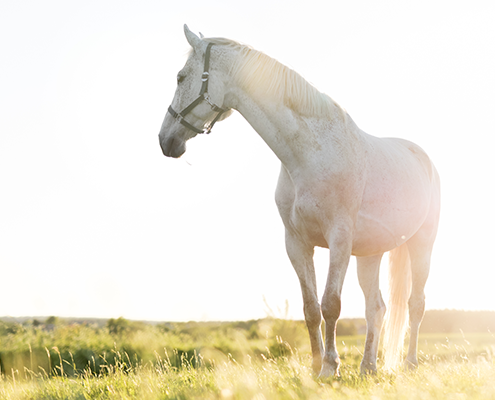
(234,366)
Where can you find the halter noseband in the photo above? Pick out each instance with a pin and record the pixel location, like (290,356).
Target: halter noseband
(203,95)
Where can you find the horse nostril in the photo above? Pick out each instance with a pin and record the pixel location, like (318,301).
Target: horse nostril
(167,145)
(173,147)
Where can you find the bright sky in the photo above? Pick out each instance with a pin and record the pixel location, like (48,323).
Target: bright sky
(96,222)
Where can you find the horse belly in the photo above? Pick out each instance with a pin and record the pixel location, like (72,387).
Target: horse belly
(376,235)
(383,230)
(395,204)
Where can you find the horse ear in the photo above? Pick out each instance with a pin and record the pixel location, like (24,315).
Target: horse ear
(192,38)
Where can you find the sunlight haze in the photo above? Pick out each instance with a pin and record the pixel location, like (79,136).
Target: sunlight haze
(96,222)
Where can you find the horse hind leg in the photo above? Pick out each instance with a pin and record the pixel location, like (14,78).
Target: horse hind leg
(368,269)
(420,248)
(420,253)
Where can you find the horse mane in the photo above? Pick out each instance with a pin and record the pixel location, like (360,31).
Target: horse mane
(262,75)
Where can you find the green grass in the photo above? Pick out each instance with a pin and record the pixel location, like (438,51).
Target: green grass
(236,361)
(281,378)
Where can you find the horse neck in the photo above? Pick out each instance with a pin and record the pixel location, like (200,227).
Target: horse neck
(299,142)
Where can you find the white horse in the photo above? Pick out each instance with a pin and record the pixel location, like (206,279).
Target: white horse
(339,188)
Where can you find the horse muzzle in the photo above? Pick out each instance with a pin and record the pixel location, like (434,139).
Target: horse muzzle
(172,146)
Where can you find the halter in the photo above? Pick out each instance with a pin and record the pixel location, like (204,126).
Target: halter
(203,95)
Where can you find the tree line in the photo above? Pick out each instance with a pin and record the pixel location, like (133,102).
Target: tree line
(435,321)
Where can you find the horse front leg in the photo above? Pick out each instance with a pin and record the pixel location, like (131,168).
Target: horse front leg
(301,257)
(340,253)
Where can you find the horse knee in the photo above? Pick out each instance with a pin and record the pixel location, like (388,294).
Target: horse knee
(312,315)
(330,307)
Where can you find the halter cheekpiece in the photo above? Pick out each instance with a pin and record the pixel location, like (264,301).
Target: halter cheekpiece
(203,95)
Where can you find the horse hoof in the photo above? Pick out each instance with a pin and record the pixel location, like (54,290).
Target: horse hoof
(328,370)
(369,369)
(316,367)
(411,365)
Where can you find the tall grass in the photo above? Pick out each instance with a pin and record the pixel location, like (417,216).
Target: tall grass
(70,349)
(251,360)
(271,378)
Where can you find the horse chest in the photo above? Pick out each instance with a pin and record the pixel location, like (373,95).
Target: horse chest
(309,208)
(302,215)
(306,221)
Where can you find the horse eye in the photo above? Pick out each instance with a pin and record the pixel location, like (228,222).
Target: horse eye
(180,78)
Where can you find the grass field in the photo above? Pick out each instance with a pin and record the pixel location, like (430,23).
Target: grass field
(251,360)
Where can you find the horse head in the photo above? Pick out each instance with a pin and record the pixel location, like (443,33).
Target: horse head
(190,114)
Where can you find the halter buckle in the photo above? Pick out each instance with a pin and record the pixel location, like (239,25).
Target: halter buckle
(207,98)
(205,76)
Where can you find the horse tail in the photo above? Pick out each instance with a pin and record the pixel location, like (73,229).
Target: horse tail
(399,291)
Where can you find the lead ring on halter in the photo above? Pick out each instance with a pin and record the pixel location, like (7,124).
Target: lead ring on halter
(203,95)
